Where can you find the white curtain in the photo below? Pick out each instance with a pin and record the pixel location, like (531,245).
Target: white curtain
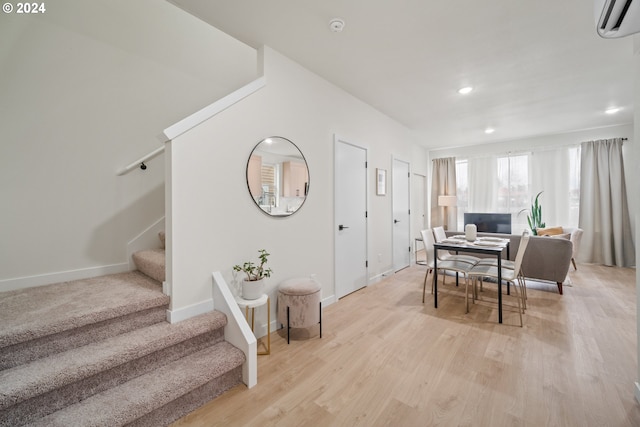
(604,212)
(483,184)
(443,183)
(554,172)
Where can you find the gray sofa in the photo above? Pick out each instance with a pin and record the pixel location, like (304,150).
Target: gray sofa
(546,258)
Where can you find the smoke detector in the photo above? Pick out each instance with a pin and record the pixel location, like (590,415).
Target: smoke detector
(336,25)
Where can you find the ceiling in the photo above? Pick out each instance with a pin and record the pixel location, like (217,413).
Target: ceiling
(537,67)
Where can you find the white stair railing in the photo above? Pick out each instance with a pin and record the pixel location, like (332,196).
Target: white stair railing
(237,331)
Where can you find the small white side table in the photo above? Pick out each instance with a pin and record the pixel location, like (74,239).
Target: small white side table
(252,304)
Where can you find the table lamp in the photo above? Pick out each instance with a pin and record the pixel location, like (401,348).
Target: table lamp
(446,202)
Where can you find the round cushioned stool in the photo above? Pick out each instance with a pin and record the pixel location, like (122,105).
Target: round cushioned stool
(299,304)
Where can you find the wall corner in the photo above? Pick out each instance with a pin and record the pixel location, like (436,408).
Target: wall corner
(260,61)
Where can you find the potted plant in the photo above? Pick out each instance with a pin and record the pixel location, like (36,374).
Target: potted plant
(535,215)
(253,283)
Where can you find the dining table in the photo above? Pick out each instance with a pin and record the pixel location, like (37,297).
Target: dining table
(492,246)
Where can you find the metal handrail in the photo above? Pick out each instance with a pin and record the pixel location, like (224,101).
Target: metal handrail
(140,162)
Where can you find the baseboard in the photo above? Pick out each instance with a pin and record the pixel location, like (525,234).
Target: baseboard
(378,277)
(637,392)
(61,276)
(175,316)
(326,302)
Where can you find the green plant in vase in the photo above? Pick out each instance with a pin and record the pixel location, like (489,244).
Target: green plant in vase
(253,271)
(534,218)
(253,284)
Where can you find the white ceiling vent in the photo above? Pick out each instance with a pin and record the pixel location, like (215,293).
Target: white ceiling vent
(617,18)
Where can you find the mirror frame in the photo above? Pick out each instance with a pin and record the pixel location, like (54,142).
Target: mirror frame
(286,213)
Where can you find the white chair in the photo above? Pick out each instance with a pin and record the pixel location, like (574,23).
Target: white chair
(510,275)
(439,235)
(459,266)
(506,264)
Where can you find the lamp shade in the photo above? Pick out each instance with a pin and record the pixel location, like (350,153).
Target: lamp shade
(447,200)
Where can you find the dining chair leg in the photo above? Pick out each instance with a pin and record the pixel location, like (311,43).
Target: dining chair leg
(515,287)
(466,296)
(424,285)
(466,292)
(475,288)
(523,289)
(522,275)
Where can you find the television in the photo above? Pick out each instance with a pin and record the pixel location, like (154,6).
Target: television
(489,222)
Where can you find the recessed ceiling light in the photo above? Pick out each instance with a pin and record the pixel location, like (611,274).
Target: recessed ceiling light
(465,90)
(489,130)
(612,110)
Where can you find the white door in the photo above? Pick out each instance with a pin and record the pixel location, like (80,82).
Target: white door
(418,207)
(350,193)
(401,215)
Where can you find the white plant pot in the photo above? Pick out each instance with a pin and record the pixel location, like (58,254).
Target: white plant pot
(252,289)
(471,232)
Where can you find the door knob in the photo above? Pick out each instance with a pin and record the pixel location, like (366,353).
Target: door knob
(342,227)
(395,221)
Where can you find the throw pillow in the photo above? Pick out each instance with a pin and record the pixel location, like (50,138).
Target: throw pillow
(565,236)
(549,231)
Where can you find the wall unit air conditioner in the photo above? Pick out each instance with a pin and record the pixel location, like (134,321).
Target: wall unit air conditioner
(617,18)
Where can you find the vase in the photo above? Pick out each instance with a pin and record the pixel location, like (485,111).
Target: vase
(470,232)
(252,289)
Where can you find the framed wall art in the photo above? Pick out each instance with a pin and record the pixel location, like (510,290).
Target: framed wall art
(381,182)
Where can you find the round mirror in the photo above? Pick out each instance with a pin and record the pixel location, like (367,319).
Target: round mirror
(277,176)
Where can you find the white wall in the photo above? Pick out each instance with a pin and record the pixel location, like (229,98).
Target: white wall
(636,194)
(86,89)
(215,223)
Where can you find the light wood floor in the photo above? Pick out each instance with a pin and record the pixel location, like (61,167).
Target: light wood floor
(386,359)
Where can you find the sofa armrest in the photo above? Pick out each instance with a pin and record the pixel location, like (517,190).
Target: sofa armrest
(547,258)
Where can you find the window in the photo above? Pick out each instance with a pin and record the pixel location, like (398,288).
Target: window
(505,189)
(270,188)
(513,183)
(462,191)
(507,184)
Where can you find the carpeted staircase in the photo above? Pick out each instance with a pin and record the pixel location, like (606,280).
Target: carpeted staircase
(99,352)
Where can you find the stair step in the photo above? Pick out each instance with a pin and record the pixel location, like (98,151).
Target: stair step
(99,351)
(39,322)
(38,388)
(46,310)
(28,351)
(172,390)
(151,262)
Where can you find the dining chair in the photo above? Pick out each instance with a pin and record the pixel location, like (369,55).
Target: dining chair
(508,264)
(459,266)
(480,271)
(440,235)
